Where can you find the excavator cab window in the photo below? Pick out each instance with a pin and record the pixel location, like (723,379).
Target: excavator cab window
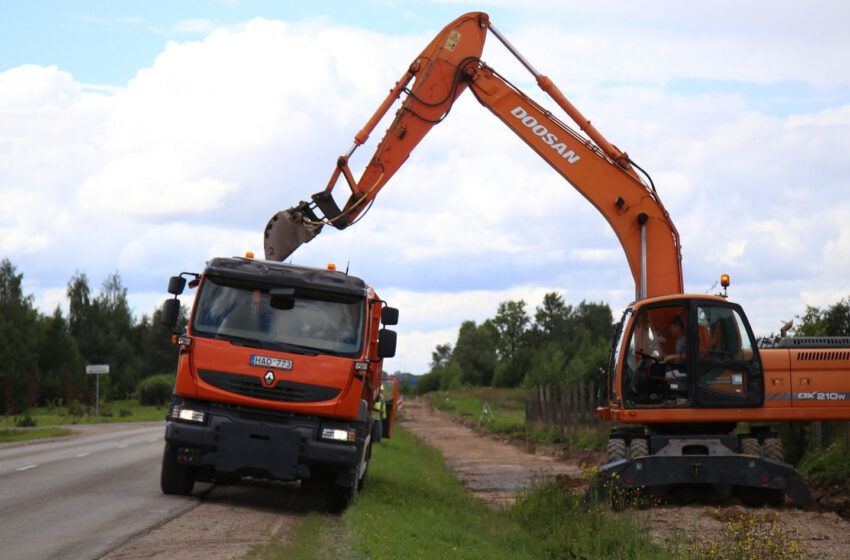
(655,364)
(691,354)
(727,367)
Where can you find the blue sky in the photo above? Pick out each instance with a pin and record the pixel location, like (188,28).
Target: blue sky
(103,42)
(147,137)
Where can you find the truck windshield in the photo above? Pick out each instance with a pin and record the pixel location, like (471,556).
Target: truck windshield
(290,320)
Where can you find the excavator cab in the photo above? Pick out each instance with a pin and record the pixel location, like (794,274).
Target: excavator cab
(675,352)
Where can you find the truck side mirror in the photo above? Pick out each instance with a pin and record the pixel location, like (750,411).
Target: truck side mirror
(176,285)
(389,316)
(170,312)
(386,343)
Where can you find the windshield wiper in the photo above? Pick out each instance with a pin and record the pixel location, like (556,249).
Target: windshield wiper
(293,348)
(240,340)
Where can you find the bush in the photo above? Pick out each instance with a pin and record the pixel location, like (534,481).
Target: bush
(156,390)
(76,409)
(827,465)
(512,373)
(25,421)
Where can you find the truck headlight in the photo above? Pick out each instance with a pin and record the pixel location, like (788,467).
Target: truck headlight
(188,415)
(336,434)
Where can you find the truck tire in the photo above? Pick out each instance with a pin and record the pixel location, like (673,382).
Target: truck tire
(340,493)
(615,449)
(386,423)
(175,479)
(361,483)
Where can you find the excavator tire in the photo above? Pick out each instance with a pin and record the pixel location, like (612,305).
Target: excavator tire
(772,449)
(638,447)
(615,449)
(750,446)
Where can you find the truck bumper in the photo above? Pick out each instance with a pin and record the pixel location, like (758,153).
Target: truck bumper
(239,441)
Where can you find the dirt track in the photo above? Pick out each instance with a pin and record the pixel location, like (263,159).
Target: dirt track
(495,469)
(229,520)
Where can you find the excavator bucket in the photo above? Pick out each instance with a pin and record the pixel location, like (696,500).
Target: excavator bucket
(288,230)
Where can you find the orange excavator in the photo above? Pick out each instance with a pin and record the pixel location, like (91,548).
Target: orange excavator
(688,386)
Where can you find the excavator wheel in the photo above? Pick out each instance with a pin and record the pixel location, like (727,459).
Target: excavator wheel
(615,450)
(638,447)
(772,449)
(750,446)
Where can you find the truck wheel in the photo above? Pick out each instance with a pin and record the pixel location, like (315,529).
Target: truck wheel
(615,450)
(361,483)
(772,449)
(339,494)
(638,447)
(175,479)
(386,424)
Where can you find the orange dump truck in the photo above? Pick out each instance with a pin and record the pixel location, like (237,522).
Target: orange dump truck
(279,369)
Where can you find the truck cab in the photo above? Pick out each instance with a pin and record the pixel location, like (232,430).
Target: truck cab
(278,371)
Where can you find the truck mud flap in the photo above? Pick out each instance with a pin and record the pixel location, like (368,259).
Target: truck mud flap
(244,446)
(735,470)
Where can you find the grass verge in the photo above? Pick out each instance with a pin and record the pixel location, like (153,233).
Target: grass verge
(44,422)
(37,433)
(114,411)
(414,507)
(505,414)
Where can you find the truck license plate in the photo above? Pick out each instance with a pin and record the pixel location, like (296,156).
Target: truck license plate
(269,362)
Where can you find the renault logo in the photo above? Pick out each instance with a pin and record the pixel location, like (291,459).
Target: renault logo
(269,377)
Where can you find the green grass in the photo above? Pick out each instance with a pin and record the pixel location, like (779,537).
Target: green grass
(507,417)
(38,419)
(414,507)
(114,411)
(32,433)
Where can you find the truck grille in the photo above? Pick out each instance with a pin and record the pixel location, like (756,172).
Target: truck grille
(283,391)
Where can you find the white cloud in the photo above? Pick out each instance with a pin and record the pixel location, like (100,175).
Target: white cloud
(191,157)
(150,184)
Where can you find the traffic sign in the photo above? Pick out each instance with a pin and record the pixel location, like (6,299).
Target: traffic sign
(97,369)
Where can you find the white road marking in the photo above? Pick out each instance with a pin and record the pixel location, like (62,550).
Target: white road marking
(28,467)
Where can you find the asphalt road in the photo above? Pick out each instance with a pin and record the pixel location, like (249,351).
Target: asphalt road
(80,497)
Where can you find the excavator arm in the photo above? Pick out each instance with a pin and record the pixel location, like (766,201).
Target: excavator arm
(451,63)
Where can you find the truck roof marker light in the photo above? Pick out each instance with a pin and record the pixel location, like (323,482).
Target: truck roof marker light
(249,254)
(331,266)
(724,280)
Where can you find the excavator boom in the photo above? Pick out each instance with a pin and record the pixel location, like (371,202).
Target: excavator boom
(684,369)
(449,65)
